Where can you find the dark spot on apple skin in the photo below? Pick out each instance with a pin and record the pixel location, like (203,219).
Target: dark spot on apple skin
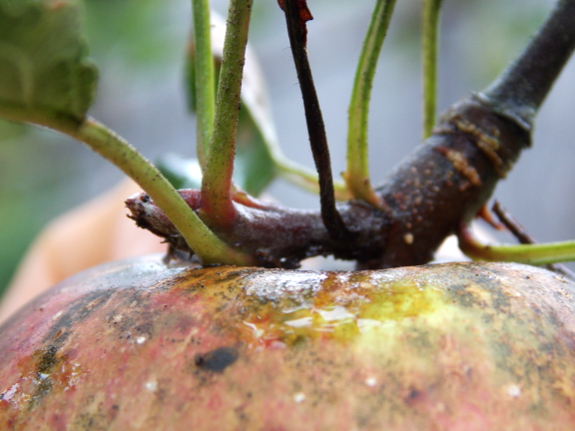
(412,395)
(46,360)
(217,360)
(78,311)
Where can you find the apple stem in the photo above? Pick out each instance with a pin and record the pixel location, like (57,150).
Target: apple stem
(357,176)
(217,176)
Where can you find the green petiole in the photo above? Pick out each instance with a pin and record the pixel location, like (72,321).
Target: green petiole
(431,9)
(357,173)
(208,247)
(204,84)
(532,254)
(217,177)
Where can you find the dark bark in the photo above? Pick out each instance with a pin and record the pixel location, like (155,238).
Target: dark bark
(446,180)
(441,185)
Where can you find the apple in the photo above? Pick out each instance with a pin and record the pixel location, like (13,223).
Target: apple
(137,344)
(159,344)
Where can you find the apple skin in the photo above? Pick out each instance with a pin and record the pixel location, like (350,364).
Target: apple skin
(136,345)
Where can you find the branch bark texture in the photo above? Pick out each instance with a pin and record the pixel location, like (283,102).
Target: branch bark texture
(439,187)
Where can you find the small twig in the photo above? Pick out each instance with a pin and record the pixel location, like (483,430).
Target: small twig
(486,216)
(512,224)
(523,236)
(315,125)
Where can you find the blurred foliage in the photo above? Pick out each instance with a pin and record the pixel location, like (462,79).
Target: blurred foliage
(494,31)
(36,81)
(254,168)
(37,167)
(139,32)
(36,179)
(34,187)
(183,173)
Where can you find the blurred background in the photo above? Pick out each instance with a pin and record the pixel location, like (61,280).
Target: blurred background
(139,48)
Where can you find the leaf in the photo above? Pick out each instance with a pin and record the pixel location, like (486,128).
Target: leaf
(182,173)
(44,68)
(254,165)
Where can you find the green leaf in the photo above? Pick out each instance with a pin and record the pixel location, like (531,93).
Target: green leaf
(186,173)
(44,68)
(254,166)
(182,173)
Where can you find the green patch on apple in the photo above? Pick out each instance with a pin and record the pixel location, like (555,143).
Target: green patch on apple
(134,344)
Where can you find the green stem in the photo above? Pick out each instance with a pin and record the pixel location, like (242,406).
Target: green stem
(357,173)
(430,33)
(204,78)
(533,254)
(217,178)
(208,247)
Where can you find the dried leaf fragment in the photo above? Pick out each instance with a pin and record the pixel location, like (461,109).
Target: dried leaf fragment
(304,15)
